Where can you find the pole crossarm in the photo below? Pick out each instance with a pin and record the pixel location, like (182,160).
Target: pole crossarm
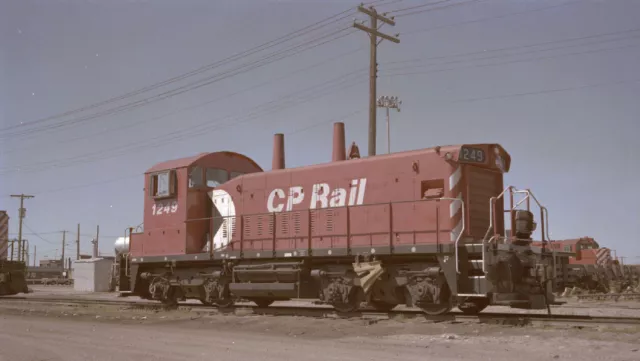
(375,32)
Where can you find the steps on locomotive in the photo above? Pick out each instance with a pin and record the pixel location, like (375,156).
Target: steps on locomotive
(472,280)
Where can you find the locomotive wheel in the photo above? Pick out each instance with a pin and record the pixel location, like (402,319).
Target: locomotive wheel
(262,302)
(473,306)
(205,302)
(433,309)
(346,307)
(225,302)
(172,299)
(436,309)
(382,305)
(354,299)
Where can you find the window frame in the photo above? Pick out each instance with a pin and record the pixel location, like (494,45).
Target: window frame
(172,186)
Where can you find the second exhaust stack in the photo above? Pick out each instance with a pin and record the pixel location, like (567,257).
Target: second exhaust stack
(338,142)
(278,152)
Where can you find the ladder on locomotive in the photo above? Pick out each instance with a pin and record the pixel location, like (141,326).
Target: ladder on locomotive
(476,253)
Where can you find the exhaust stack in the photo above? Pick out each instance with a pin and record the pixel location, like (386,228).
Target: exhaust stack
(278,151)
(338,142)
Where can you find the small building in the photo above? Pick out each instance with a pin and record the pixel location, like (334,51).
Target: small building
(51,263)
(92,275)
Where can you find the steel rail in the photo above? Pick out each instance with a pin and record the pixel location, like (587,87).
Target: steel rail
(315,311)
(609,296)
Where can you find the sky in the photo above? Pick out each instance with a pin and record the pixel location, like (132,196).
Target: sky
(555,82)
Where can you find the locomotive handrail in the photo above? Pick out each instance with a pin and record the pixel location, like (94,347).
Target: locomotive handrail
(484,265)
(544,212)
(126,256)
(544,215)
(491,211)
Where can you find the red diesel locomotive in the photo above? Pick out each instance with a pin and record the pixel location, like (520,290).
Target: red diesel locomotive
(423,228)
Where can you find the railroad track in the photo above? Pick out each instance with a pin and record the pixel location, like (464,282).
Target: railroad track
(242,309)
(609,297)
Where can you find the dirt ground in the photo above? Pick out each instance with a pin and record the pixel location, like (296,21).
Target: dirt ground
(34,332)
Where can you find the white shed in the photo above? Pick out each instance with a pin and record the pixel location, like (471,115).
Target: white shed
(92,275)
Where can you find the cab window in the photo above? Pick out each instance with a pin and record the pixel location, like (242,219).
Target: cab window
(216,177)
(196,177)
(163,184)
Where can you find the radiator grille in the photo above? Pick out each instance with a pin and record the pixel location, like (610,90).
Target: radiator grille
(483,184)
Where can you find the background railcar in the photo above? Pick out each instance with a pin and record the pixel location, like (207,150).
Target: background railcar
(12,276)
(590,267)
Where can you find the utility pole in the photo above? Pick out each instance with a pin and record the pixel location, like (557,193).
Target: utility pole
(78,243)
(97,239)
(64,236)
(21,214)
(374,34)
(34,255)
(389,102)
(96,253)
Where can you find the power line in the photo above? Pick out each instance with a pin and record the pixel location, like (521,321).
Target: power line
(275,105)
(511,61)
(264,46)
(492,17)
(195,132)
(438,8)
(547,91)
(37,234)
(297,131)
(87,185)
(519,47)
(171,138)
(198,105)
(417,6)
(383,2)
(278,55)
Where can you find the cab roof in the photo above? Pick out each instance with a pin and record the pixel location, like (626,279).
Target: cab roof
(189,161)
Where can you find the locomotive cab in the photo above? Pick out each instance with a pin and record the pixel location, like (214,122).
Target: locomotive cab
(177,209)
(177,204)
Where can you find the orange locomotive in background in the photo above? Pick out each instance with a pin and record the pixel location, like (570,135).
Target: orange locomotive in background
(590,267)
(422,228)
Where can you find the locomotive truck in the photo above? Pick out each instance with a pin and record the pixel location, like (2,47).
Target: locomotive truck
(423,228)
